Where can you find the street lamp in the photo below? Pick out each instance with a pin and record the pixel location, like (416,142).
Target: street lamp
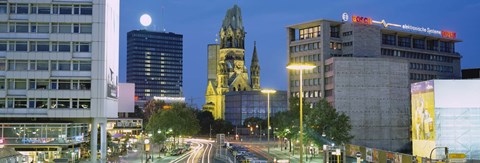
(268,92)
(301,67)
(147,148)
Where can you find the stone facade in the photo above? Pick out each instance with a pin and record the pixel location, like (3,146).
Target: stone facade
(229,57)
(374,93)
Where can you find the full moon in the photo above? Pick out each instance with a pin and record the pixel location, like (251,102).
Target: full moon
(145,20)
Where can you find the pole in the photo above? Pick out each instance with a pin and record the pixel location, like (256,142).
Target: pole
(268,121)
(301,117)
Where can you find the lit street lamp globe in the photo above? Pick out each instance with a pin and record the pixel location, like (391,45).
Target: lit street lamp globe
(147,141)
(145,20)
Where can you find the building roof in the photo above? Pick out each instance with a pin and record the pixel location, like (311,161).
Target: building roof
(233,18)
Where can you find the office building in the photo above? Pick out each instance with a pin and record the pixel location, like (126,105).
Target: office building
(471,73)
(226,64)
(374,93)
(58,76)
(446,113)
(154,64)
(240,105)
(429,53)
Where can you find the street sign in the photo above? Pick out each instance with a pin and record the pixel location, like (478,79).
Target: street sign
(456,155)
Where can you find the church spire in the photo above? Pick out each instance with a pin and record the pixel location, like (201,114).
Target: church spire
(255,69)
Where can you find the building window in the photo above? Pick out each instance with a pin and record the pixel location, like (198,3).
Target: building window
(347,33)
(3,27)
(64,28)
(348,43)
(404,41)
(16,8)
(432,45)
(40,9)
(64,65)
(2,66)
(82,47)
(41,103)
(65,9)
(335,31)
(3,46)
(18,65)
(64,84)
(85,84)
(388,39)
(3,8)
(82,28)
(40,46)
(17,83)
(19,102)
(19,27)
(419,43)
(40,28)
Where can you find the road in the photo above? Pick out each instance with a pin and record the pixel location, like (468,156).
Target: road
(201,152)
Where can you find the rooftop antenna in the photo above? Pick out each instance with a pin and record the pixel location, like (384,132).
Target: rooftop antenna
(163,16)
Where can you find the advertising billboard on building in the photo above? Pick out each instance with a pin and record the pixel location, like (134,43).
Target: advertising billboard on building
(423,117)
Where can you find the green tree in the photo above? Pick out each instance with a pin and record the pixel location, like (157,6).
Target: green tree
(177,121)
(151,107)
(205,119)
(324,125)
(221,126)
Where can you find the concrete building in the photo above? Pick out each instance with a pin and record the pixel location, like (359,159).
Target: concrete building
(446,113)
(374,93)
(58,76)
(226,64)
(471,73)
(155,64)
(241,105)
(429,53)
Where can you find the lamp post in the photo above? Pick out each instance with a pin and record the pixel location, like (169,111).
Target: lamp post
(268,92)
(301,67)
(147,148)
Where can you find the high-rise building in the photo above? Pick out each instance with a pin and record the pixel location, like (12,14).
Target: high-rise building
(58,76)
(347,83)
(226,64)
(155,64)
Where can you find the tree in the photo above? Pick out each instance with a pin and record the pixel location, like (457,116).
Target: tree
(205,119)
(220,126)
(151,107)
(325,124)
(177,121)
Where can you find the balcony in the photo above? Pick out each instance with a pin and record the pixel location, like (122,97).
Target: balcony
(17,92)
(27,74)
(36,36)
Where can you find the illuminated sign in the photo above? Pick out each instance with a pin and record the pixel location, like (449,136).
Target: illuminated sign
(448,34)
(362,20)
(367,20)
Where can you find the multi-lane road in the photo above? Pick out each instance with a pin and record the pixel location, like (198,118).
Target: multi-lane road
(202,151)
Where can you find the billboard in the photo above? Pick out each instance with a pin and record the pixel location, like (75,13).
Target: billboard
(423,117)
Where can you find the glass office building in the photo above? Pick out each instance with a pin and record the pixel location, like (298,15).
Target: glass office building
(240,105)
(154,64)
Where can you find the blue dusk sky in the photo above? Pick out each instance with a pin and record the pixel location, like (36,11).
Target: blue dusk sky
(265,21)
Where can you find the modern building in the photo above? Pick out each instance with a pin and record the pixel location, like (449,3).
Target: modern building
(374,93)
(241,105)
(471,73)
(155,64)
(429,53)
(226,65)
(58,76)
(446,113)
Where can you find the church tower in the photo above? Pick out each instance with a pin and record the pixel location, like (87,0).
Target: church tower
(255,70)
(229,57)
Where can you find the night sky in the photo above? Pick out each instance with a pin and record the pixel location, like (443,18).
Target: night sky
(265,21)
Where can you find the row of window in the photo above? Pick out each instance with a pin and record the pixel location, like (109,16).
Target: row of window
(306,82)
(415,55)
(305,47)
(422,77)
(335,31)
(347,33)
(306,58)
(45,46)
(26,8)
(307,94)
(45,65)
(429,67)
(163,37)
(44,103)
(166,49)
(310,32)
(50,84)
(434,45)
(21,27)
(148,41)
(335,45)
